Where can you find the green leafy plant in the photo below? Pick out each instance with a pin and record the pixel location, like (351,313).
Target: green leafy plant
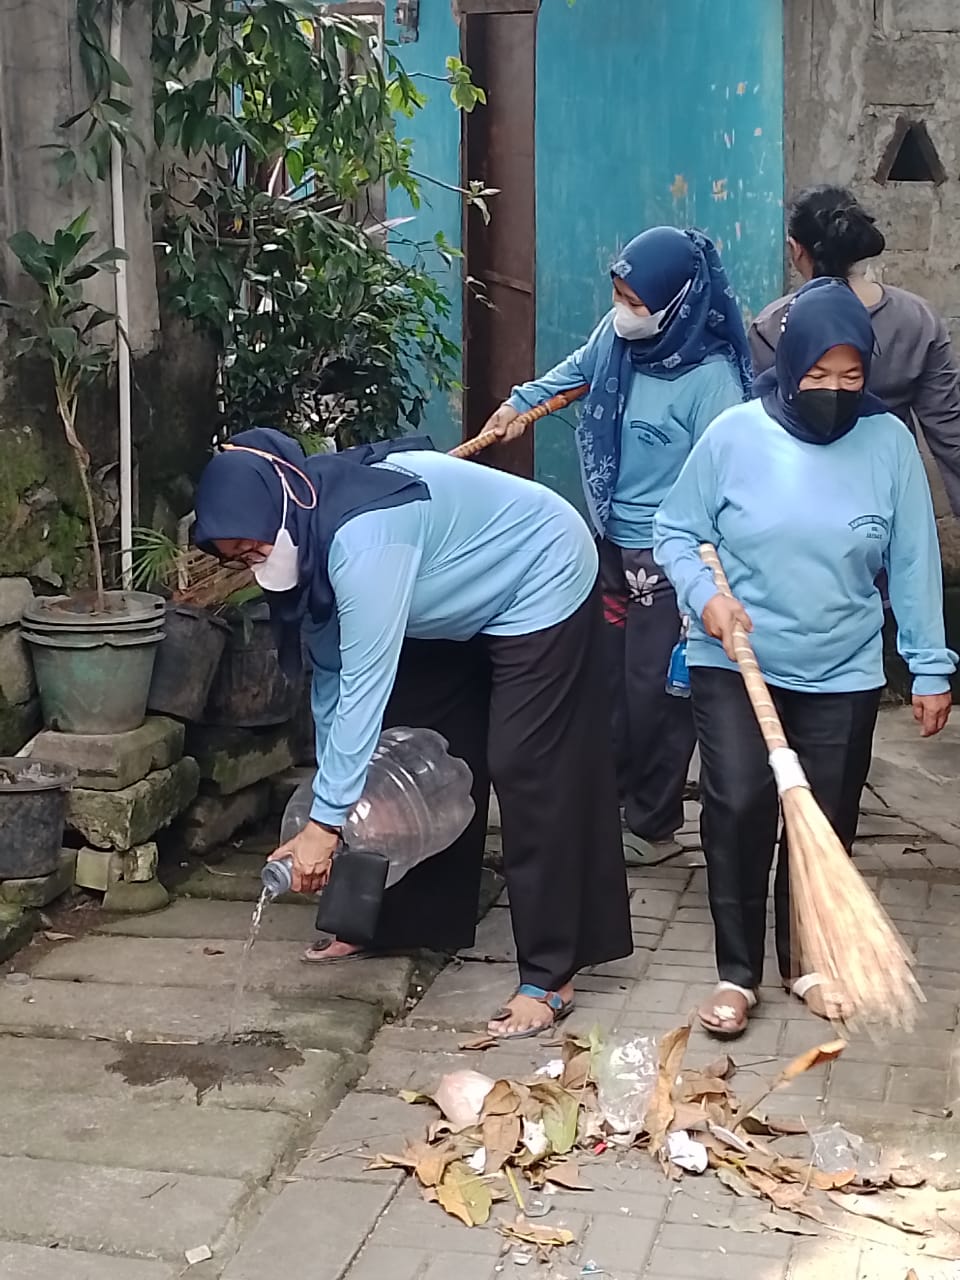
(156,559)
(59,325)
(274,257)
(276,128)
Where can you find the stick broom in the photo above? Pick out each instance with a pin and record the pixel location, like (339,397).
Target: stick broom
(844,935)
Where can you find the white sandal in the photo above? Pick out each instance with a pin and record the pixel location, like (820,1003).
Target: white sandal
(831,997)
(728,1014)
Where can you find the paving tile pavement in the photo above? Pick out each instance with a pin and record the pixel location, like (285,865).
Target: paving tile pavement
(108,1157)
(635,1225)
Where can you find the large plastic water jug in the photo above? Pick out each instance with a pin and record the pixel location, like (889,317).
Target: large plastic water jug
(416,801)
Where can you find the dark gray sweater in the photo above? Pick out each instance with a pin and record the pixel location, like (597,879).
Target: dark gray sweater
(914,371)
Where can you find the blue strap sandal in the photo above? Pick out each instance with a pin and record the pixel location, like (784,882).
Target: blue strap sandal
(559,1007)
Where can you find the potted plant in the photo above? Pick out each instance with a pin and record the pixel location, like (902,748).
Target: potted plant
(218,660)
(93,651)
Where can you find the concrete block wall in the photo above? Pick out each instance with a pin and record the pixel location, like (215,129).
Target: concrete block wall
(854,69)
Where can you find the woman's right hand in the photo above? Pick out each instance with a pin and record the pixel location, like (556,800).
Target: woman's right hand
(720,617)
(503,423)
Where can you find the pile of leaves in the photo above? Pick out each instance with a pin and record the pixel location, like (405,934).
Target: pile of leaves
(540,1132)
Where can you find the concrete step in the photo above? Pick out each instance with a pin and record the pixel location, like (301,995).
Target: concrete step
(32,1262)
(307,1082)
(115,1211)
(199,918)
(166,1138)
(235,879)
(147,1014)
(214,964)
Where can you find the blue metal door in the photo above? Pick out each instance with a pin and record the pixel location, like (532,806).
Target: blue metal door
(647,112)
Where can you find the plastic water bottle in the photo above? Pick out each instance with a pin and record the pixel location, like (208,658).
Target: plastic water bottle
(678,673)
(416,802)
(277,877)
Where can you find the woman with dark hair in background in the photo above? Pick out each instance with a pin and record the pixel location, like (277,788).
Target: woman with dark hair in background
(914,371)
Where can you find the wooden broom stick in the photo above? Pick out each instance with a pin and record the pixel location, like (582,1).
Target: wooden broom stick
(470,448)
(844,935)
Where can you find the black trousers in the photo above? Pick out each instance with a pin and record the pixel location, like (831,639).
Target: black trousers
(529,713)
(653,732)
(832,733)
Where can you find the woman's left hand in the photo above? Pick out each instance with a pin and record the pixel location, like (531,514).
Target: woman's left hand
(312,854)
(931,712)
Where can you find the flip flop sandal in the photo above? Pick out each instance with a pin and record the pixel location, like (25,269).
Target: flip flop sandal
(318,957)
(802,987)
(727,1013)
(559,1007)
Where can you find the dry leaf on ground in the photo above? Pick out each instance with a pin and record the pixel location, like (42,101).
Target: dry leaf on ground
(542,1237)
(673,1047)
(464,1195)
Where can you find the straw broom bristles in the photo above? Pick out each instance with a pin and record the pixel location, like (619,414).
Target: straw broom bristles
(842,931)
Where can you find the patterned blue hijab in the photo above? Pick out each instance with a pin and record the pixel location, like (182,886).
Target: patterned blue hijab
(657,265)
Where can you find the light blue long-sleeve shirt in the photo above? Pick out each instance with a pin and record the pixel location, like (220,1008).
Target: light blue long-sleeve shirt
(662,420)
(489,553)
(803,530)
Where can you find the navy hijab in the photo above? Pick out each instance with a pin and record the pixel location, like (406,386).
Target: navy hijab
(707,322)
(240,495)
(825,313)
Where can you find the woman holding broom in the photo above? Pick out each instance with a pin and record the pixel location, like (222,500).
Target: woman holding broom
(434,593)
(807,493)
(669,357)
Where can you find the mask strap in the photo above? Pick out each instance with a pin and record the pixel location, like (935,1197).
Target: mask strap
(277,463)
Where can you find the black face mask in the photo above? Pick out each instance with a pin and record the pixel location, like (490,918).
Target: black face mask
(828,414)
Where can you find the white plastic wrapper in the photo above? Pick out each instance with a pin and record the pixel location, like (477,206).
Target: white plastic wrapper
(686,1153)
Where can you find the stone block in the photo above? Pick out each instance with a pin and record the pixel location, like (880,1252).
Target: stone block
(233,759)
(121,819)
(18,724)
(213,820)
(15,595)
(902,73)
(136,897)
(16,669)
(140,863)
(17,927)
(98,869)
(907,16)
(40,891)
(113,761)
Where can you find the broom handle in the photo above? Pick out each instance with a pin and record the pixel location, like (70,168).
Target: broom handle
(757,690)
(470,448)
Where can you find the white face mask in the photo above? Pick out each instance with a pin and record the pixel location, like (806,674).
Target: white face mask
(633,328)
(281,569)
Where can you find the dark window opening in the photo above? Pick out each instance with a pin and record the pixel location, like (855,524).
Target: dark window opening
(911,156)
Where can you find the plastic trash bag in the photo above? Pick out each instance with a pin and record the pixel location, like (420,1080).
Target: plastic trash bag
(626,1073)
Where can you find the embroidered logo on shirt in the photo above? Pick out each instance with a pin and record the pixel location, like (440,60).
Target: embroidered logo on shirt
(640,586)
(649,433)
(876,527)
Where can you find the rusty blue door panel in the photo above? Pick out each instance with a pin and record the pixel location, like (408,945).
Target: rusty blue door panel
(651,111)
(648,111)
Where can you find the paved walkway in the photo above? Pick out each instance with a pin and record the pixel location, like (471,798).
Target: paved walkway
(129,1135)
